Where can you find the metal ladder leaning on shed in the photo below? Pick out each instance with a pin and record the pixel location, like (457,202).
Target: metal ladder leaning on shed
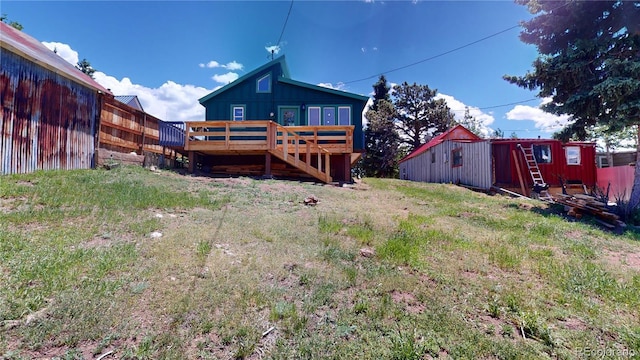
(539,186)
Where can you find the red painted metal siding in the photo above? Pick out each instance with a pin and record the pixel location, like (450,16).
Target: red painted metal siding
(505,172)
(47,121)
(618,179)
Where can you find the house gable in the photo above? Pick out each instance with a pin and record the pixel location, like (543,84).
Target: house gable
(268,93)
(457,132)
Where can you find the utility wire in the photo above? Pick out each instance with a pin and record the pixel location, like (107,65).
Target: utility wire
(450,51)
(509,104)
(433,57)
(284,26)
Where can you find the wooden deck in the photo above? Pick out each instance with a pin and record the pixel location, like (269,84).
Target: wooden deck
(307,148)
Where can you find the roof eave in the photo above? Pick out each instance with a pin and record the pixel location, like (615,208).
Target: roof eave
(323,89)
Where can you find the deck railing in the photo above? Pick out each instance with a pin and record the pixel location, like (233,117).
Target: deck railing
(261,135)
(295,145)
(171,133)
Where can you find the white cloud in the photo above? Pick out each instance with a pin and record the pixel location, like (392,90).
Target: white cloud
(64,51)
(170,102)
(338,86)
(225,78)
(544,121)
(368,106)
(275,49)
(458,108)
(234,65)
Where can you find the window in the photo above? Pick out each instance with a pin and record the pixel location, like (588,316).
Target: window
(433,157)
(237,112)
(573,155)
(344,115)
(542,153)
(263,84)
(314,116)
(456,154)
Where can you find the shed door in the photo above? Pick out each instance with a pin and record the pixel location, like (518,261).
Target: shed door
(502,163)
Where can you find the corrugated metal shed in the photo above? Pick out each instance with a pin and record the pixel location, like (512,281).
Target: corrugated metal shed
(28,47)
(48,109)
(436,164)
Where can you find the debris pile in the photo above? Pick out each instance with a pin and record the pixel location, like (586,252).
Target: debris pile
(578,204)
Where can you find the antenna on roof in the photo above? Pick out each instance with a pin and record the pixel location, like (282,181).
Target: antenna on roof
(272,52)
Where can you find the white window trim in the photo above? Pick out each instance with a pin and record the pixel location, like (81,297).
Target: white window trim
(233,112)
(309,108)
(349,116)
(579,157)
(266,76)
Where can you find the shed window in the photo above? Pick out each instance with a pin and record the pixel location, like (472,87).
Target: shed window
(573,155)
(456,154)
(314,115)
(344,115)
(264,84)
(433,157)
(237,113)
(542,153)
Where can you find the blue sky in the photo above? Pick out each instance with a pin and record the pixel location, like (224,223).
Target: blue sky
(172,53)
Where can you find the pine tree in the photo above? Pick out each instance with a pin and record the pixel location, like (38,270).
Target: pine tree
(419,114)
(380,92)
(589,65)
(381,142)
(85,67)
(471,123)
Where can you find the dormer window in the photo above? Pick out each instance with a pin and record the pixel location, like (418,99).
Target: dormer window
(263,84)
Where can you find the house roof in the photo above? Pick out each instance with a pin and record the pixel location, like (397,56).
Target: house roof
(131,100)
(323,89)
(20,43)
(457,132)
(285,78)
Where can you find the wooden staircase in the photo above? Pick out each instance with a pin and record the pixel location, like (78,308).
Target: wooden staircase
(289,147)
(539,185)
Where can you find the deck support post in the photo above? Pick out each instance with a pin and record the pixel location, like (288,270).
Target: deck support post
(267,165)
(192,161)
(346,160)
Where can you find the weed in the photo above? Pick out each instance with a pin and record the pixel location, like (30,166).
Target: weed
(405,346)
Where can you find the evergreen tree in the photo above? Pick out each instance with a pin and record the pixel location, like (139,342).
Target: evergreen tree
(14,24)
(380,92)
(497,134)
(381,142)
(419,114)
(471,123)
(589,65)
(85,67)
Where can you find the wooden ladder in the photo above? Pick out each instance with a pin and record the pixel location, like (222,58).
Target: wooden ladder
(536,175)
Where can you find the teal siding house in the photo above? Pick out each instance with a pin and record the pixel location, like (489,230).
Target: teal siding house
(314,129)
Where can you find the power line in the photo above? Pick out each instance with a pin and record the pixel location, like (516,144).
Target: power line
(495,106)
(509,104)
(449,51)
(435,56)
(284,26)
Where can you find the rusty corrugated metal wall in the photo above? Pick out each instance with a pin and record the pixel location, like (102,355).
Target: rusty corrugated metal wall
(47,121)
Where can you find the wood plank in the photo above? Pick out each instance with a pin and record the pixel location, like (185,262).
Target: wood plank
(515,158)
